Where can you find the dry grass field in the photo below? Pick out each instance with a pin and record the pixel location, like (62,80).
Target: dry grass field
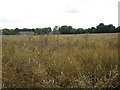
(60,61)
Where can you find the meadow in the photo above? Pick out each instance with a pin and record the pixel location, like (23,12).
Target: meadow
(60,61)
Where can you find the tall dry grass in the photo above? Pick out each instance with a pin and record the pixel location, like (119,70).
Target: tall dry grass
(55,61)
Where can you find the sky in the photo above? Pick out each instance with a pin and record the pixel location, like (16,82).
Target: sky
(50,13)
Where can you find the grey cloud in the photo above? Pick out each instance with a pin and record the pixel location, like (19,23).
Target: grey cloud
(72,10)
(6,20)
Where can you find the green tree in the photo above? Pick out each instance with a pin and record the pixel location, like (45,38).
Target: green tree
(6,31)
(118,29)
(66,29)
(80,31)
(56,30)
(110,28)
(91,30)
(100,28)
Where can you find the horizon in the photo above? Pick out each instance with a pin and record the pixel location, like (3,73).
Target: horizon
(49,13)
(58,26)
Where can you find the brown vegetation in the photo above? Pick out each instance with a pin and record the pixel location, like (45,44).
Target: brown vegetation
(55,61)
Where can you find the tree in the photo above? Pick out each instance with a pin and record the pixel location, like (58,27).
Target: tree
(100,28)
(46,30)
(66,29)
(118,29)
(90,30)
(6,31)
(110,28)
(80,31)
(38,31)
(55,30)
(16,31)
(9,32)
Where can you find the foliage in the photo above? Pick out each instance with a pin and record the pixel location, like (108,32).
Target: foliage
(101,28)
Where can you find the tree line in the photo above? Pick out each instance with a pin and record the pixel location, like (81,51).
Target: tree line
(101,28)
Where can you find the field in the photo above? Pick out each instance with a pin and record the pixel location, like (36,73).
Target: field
(57,61)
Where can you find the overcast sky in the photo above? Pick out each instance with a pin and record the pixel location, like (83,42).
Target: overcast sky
(50,13)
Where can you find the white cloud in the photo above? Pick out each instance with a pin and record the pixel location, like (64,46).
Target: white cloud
(43,13)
